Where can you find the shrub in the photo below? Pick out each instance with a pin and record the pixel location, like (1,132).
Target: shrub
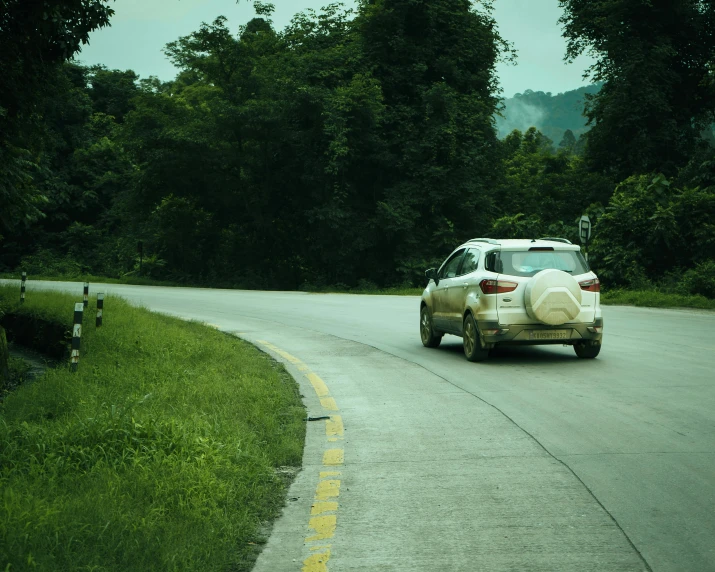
(700,280)
(48,263)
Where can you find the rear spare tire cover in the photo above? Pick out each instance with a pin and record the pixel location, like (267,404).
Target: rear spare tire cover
(552,297)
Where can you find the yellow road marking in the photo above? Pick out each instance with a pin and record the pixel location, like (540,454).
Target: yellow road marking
(319,507)
(318,384)
(322,524)
(317,562)
(286,355)
(334,427)
(327,489)
(328,403)
(280,352)
(324,527)
(333,457)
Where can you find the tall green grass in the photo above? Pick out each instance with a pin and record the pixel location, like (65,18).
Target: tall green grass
(160,453)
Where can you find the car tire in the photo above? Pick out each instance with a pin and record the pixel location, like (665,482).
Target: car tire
(472,342)
(586,351)
(430,339)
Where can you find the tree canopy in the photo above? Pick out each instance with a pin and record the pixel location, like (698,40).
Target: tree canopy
(655,58)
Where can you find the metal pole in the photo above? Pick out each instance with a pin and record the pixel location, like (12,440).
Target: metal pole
(86,294)
(22,287)
(76,334)
(100,307)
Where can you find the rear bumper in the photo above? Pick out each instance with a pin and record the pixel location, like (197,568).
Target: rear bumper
(538,334)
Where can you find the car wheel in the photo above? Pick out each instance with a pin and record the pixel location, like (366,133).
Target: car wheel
(472,341)
(429,338)
(587,351)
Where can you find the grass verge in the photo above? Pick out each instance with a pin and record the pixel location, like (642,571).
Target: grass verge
(656,299)
(160,453)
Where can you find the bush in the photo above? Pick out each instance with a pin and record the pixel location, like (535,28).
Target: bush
(48,263)
(651,228)
(700,280)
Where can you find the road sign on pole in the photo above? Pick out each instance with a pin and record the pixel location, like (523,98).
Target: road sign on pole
(584,229)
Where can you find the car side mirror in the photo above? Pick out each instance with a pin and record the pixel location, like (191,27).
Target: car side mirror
(431,274)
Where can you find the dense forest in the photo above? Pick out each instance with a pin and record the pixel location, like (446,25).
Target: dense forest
(354,148)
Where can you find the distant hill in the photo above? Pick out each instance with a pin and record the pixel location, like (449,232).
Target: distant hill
(550,114)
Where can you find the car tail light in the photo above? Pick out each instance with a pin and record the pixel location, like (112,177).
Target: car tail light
(497,286)
(590,285)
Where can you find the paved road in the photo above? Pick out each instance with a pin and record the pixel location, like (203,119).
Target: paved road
(533,460)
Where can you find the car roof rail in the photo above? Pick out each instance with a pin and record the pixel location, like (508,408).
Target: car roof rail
(556,239)
(489,240)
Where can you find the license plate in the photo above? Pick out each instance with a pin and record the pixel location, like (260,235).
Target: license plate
(549,334)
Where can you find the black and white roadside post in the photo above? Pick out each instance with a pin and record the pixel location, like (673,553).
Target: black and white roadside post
(76,334)
(584,231)
(100,307)
(22,287)
(86,295)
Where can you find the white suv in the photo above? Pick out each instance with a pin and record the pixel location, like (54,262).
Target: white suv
(518,292)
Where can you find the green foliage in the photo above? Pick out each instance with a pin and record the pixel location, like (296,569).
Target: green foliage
(548,191)
(650,227)
(435,62)
(35,38)
(700,280)
(140,462)
(47,263)
(360,146)
(19,197)
(4,362)
(656,61)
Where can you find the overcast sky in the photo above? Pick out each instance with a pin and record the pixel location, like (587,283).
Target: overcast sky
(141,28)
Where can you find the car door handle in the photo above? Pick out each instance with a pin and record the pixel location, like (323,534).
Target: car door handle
(465,284)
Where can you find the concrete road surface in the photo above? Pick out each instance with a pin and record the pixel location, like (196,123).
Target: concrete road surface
(532,461)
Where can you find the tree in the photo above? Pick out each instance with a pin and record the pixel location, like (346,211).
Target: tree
(568,143)
(112,91)
(542,192)
(656,58)
(435,62)
(35,37)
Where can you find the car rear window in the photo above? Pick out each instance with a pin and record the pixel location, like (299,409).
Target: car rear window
(529,262)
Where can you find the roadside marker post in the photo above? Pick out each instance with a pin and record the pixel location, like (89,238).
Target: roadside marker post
(76,334)
(86,294)
(100,308)
(22,287)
